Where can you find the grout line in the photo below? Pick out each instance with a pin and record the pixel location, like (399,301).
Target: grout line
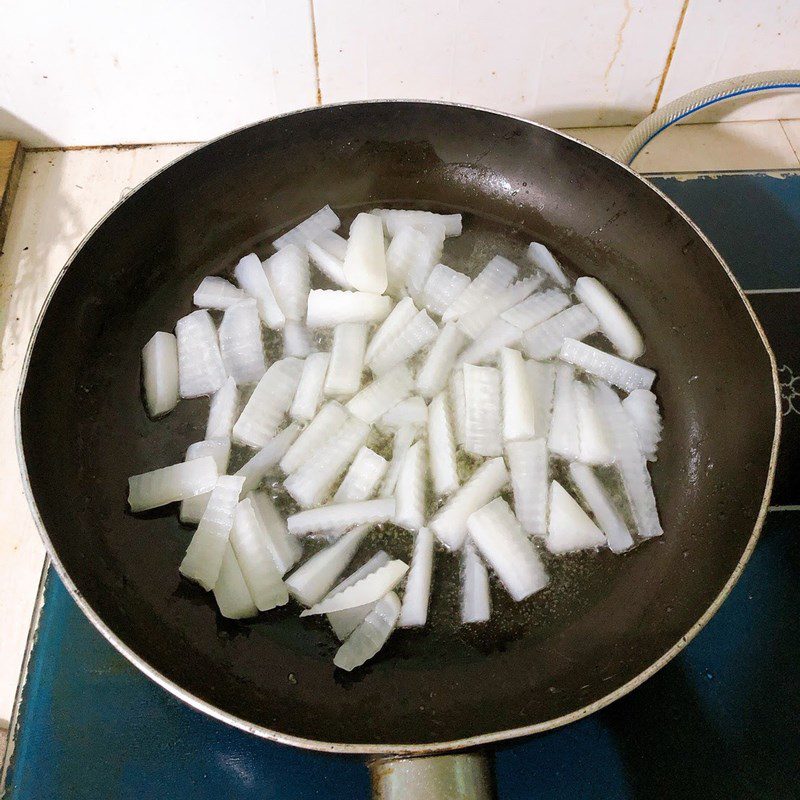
(670,55)
(784,508)
(62,148)
(788,139)
(771,291)
(316,52)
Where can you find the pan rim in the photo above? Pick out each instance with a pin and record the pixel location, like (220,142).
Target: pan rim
(401,748)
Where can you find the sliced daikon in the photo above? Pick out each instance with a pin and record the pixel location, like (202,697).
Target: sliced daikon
(476,601)
(482,417)
(564,438)
(593,436)
(330,307)
(542,380)
(614,321)
(297,340)
(488,344)
(396,219)
(170,484)
(343,378)
(371,635)
(536,309)
(200,367)
(214,292)
(363,478)
(390,328)
(341,515)
(442,287)
(365,259)
(519,415)
(230,591)
(309,390)
(192,509)
(285,548)
(543,259)
(479,319)
(268,457)
(528,465)
(240,342)
(411,255)
(442,447)
(328,264)
(378,397)
(160,374)
(309,229)
(252,279)
(416,335)
(435,371)
(416,596)
(411,411)
(641,407)
(458,405)
(345,622)
(289,277)
(323,427)
(612,369)
(544,340)
(410,490)
(492,279)
(223,411)
(569,526)
(331,241)
(403,440)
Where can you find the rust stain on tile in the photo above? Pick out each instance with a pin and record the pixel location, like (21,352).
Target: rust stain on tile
(316,51)
(670,55)
(620,34)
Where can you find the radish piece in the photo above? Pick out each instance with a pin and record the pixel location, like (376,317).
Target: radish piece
(160,374)
(563,439)
(240,343)
(368,638)
(608,518)
(365,259)
(542,380)
(410,490)
(536,309)
(528,465)
(493,278)
(330,307)
(397,219)
(545,340)
(497,534)
(362,479)
(614,322)
(418,334)
(268,457)
(458,405)
(382,394)
(641,407)
(476,601)
(630,462)
(477,320)
(331,241)
(252,279)
(450,522)
(442,287)
(341,515)
(435,372)
(543,259)
(297,341)
(288,275)
(312,482)
(569,527)
(413,252)
(262,576)
(267,406)
(416,597)
(223,411)
(200,367)
(612,369)
(284,548)
(328,264)
(214,292)
(204,555)
(193,508)
(230,591)
(391,327)
(319,223)
(323,427)
(170,484)
(312,580)
(486,346)
(309,390)
(442,447)
(347,360)
(593,438)
(369,589)
(411,411)
(482,435)
(403,440)
(518,408)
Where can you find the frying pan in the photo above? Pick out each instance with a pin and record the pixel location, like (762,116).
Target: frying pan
(606,622)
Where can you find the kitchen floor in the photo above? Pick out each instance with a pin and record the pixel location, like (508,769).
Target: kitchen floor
(62,194)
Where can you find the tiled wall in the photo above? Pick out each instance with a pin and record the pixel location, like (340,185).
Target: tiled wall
(88,72)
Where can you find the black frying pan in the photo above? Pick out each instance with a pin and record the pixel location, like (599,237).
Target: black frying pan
(606,622)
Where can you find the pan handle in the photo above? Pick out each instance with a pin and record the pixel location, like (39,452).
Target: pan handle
(453,776)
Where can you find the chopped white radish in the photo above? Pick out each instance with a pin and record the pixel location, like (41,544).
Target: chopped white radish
(544,340)
(642,408)
(343,378)
(403,440)
(331,241)
(435,371)
(482,424)
(450,522)
(476,601)
(543,259)
(519,416)
(262,576)
(411,411)
(341,515)
(328,264)
(170,484)
(594,442)
(542,380)
(411,256)
(330,307)
(262,415)
(371,635)
(312,482)
(442,447)
(458,405)
(192,509)
(493,278)
(365,259)
(396,220)
(214,292)
(313,579)
(363,478)
(252,279)
(309,390)
(563,438)
(288,275)
(297,339)
(285,548)
(416,597)
(390,328)
(204,555)
(608,518)
(527,463)
(378,397)
(240,343)
(416,335)
(345,622)
(442,287)
(477,320)
(488,344)
(160,374)
(223,411)
(309,229)
(323,427)
(536,309)
(410,490)
(497,534)
(614,321)
(200,367)
(569,527)
(230,591)
(612,369)
(268,457)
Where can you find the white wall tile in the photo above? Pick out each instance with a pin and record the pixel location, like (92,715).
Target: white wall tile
(791,127)
(87,72)
(570,63)
(722,39)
